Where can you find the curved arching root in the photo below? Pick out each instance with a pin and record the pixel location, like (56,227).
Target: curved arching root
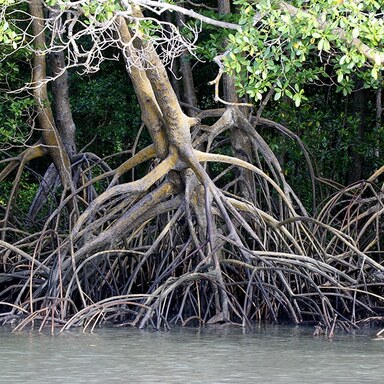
(179,246)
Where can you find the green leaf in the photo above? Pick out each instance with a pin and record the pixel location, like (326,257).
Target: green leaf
(327,45)
(277,95)
(375,72)
(320,44)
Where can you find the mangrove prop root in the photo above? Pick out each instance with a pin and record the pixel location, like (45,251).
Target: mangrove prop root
(175,248)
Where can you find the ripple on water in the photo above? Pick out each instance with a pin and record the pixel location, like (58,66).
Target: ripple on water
(268,355)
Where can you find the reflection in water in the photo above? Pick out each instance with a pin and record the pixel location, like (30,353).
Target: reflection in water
(231,355)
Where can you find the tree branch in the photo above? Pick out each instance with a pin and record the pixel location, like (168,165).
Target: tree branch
(153,5)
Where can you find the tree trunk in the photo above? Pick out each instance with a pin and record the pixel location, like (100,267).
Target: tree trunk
(360,106)
(154,89)
(63,113)
(50,134)
(189,94)
(241,145)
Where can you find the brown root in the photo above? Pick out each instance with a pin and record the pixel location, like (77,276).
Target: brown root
(167,250)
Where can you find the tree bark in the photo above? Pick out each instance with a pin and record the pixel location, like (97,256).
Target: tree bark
(62,108)
(359,105)
(151,114)
(50,134)
(189,94)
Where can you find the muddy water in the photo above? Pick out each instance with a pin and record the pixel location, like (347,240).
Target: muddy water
(277,354)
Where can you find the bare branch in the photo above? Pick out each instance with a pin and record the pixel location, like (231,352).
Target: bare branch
(160,7)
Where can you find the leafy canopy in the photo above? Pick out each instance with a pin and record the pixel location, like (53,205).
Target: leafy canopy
(279,45)
(285,45)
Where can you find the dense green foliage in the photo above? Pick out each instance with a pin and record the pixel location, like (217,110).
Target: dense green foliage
(331,130)
(285,48)
(105,110)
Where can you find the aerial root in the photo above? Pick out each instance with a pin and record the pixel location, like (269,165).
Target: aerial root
(166,250)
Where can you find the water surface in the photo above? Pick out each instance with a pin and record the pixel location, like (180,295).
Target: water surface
(277,354)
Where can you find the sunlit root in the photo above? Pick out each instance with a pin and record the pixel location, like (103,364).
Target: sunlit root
(175,248)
